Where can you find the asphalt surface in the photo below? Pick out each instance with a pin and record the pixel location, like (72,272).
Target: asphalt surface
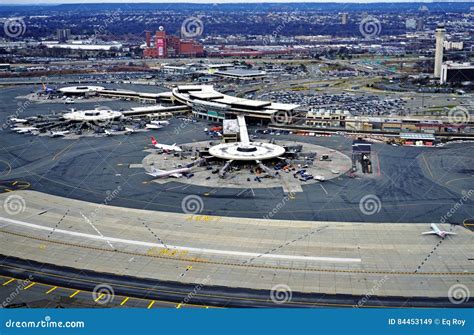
(175,292)
(413,184)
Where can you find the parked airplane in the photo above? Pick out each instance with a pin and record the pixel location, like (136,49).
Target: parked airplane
(153,126)
(176,173)
(14,119)
(160,123)
(22,130)
(165,147)
(436,231)
(59,133)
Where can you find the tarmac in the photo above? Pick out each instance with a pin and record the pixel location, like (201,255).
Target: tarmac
(89,206)
(426,181)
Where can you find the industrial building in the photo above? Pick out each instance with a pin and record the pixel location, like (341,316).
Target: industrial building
(165,46)
(456,72)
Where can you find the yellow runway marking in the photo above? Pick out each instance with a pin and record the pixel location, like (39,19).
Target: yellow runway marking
(178,305)
(14,183)
(31,285)
(99,297)
(8,282)
(74,294)
(151,304)
(51,290)
(457,179)
(124,301)
(63,150)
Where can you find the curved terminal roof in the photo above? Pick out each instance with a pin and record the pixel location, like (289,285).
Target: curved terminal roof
(187,94)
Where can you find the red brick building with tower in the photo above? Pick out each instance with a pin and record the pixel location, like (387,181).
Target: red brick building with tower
(171,46)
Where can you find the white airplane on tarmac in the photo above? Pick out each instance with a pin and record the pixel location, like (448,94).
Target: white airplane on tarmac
(22,130)
(165,147)
(436,231)
(59,133)
(153,126)
(129,130)
(160,123)
(176,173)
(14,119)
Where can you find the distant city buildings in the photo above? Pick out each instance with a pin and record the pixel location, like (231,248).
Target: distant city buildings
(449,45)
(344,18)
(410,23)
(63,35)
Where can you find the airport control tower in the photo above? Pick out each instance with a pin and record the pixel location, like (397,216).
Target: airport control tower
(440,32)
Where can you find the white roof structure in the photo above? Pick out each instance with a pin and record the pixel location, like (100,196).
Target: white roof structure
(81,89)
(93,115)
(246,150)
(187,94)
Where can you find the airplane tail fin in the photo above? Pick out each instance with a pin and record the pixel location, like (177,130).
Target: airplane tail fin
(154,141)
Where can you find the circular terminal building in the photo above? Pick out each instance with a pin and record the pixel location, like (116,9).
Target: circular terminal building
(94,115)
(246,152)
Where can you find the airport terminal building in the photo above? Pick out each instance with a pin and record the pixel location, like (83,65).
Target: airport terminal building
(207,103)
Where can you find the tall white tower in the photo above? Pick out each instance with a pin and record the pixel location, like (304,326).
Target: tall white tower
(440,32)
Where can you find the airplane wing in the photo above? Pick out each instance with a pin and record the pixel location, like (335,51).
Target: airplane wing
(429,233)
(449,233)
(176,175)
